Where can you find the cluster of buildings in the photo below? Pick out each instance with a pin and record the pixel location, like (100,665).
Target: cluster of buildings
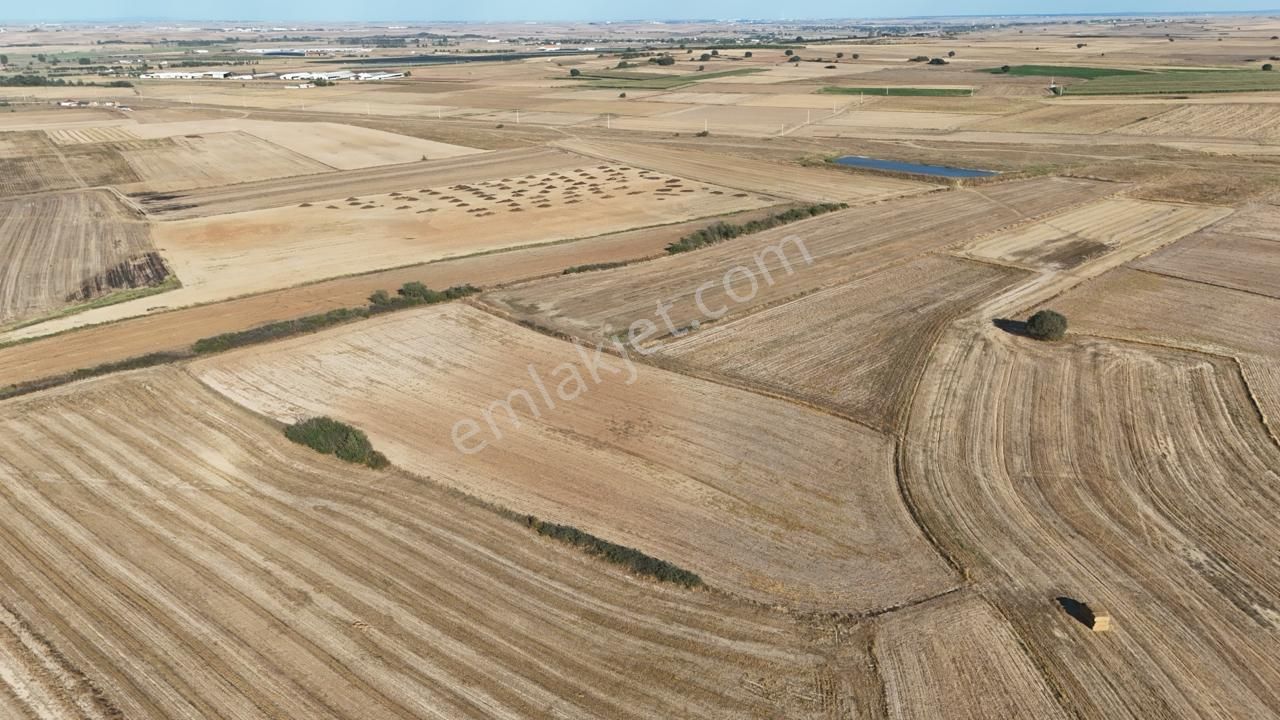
(342,75)
(228,75)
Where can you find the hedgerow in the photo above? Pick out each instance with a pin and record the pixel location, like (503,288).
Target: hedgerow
(630,558)
(721,231)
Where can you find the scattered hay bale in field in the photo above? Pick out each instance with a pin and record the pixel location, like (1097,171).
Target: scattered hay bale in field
(1089,617)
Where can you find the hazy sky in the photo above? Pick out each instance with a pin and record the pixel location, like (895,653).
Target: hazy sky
(418,10)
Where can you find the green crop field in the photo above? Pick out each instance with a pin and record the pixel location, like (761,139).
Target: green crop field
(1183,81)
(1071,71)
(900,91)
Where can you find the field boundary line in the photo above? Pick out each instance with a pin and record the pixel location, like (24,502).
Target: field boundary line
(1059,695)
(1218,352)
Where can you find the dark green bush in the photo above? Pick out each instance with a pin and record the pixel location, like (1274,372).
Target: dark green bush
(1047,325)
(330,437)
(593,266)
(630,558)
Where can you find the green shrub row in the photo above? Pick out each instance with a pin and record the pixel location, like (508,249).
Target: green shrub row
(134,363)
(411,294)
(634,560)
(722,231)
(328,436)
(594,266)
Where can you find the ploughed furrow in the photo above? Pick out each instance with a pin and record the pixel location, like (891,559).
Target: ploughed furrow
(193,563)
(1134,479)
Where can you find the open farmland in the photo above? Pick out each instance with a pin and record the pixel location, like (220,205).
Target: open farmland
(1176,82)
(1138,480)
(956,657)
(31,163)
(1073,118)
(1140,305)
(1227,254)
(1066,240)
(731,279)
(857,347)
(167,555)
(633,461)
(231,255)
(176,330)
(64,248)
(1233,120)
(243,197)
(792,182)
(193,161)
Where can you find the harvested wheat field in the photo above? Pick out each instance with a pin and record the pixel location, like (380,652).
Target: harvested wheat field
(194,161)
(120,334)
(1064,241)
(60,249)
(1234,121)
(956,657)
(1073,118)
(169,555)
(89,135)
(1139,305)
(244,197)
(629,457)
(734,278)
(855,348)
(1132,478)
(789,181)
(231,255)
(1226,255)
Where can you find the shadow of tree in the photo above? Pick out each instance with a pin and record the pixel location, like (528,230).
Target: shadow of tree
(1013,327)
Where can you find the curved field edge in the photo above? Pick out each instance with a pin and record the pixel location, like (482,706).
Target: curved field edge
(226,571)
(633,459)
(1136,479)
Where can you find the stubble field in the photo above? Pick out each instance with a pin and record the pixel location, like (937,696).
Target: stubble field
(1078,470)
(634,462)
(190,562)
(703,285)
(70,247)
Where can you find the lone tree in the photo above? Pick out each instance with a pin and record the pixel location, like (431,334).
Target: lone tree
(1267,66)
(1047,325)
(788,53)
(704,57)
(746,54)
(575,72)
(951,53)
(1005,68)
(839,55)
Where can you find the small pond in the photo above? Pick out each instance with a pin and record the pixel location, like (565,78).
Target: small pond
(937,170)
